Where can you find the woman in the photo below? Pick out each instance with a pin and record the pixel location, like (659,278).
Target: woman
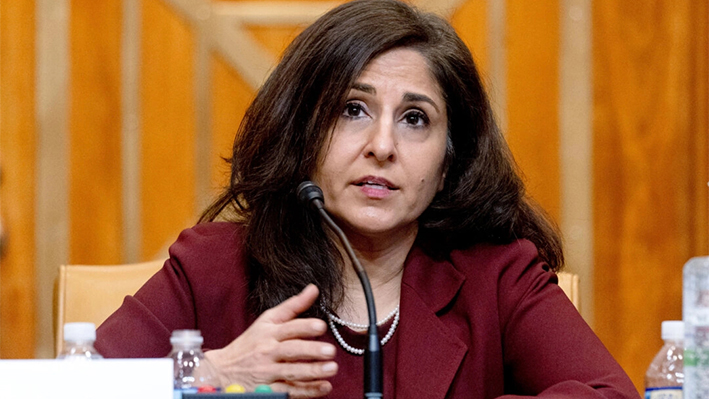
(381,106)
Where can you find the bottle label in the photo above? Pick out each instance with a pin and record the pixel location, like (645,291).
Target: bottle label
(663,393)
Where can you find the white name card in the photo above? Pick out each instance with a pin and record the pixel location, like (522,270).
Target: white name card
(70,379)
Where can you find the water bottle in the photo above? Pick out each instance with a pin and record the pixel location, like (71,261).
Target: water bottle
(665,376)
(192,370)
(79,342)
(695,313)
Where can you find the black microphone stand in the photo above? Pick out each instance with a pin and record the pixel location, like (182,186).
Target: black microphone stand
(311,194)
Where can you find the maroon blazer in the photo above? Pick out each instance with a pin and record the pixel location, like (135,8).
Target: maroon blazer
(488,322)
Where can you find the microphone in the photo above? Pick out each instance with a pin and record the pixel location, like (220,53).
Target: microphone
(311,195)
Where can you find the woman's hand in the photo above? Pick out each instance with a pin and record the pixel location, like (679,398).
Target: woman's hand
(275,351)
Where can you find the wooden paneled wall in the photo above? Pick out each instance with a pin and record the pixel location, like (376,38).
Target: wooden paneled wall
(533,97)
(151,84)
(95,179)
(168,125)
(650,167)
(17,171)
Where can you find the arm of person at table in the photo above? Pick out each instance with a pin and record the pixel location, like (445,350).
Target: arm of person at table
(548,349)
(203,286)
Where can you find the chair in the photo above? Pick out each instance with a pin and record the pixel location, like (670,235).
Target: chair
(92,293)
(569,282)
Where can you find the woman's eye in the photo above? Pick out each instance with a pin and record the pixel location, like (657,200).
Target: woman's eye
(416,118)
(353,110)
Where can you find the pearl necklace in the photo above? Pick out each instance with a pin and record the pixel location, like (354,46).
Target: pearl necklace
(332,319)
(360,327)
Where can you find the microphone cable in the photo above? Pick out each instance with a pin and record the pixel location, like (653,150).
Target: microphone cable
(312,196)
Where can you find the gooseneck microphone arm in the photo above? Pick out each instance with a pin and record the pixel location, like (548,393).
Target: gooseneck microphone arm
(311,195)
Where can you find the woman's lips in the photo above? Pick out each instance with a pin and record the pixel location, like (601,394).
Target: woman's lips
(375,187)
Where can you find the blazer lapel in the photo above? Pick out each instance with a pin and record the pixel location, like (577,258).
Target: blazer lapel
(428,353)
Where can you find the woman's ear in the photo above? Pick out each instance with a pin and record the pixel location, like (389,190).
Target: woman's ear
(442,183)
(446,161)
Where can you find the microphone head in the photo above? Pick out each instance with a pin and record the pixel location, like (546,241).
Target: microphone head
(309,194)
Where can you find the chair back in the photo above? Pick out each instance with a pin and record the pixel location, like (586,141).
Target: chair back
(569,282)
(91,293)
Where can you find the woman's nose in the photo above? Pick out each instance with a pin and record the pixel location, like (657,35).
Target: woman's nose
(382,142)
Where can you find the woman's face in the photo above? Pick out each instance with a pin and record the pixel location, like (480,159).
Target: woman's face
(384,161)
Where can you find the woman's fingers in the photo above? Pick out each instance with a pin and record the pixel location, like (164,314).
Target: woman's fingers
(308,389)
(304,371)
(300,328)
(297,350)
(293,306)
(276,349)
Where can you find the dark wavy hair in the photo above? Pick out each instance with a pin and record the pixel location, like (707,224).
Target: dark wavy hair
(287,125)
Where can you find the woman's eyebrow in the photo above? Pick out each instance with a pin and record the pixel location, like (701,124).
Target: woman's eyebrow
(369,89)
(414,97)
(408,97)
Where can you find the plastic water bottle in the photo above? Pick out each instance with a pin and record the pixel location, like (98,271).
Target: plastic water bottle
(79,342)
(192,370)
(665,376)
(695,313)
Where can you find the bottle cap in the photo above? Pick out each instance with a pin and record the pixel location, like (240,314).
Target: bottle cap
(186,337)
(79,332)
(673,329)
